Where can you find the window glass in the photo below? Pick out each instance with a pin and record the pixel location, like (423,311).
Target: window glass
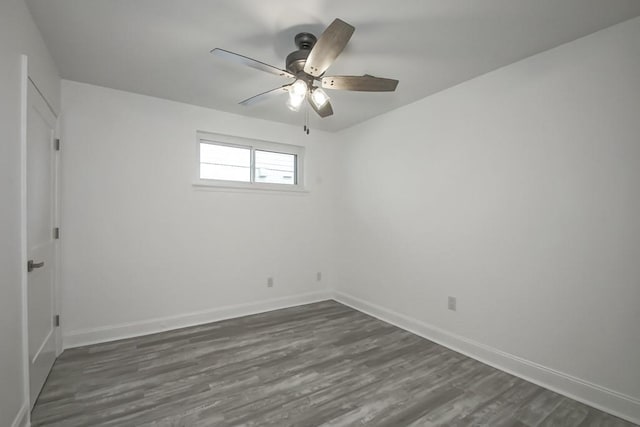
(225,162)
(275,168)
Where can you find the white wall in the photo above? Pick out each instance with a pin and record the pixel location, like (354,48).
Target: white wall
(518,193)
(139,243)
(18,35)
(515,192)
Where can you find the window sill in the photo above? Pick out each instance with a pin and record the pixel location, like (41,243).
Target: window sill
(249,188)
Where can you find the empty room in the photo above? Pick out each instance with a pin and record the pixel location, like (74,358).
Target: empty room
(320,213)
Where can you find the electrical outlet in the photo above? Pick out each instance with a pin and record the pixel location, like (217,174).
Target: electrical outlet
(452,303)
(319,276)
(270,282)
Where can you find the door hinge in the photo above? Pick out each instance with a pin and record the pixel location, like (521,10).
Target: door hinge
(56,144)
(56,320)
(56,233)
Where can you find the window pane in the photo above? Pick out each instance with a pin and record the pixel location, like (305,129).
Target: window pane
(275,168)
(224,162)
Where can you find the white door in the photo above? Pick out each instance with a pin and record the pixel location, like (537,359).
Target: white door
(40,240)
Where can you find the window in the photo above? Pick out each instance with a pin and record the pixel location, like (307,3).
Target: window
(230,161)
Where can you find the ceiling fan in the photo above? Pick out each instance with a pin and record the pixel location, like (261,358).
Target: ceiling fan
(307,65)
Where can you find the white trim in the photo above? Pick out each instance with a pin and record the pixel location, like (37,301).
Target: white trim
(613,402)
(247,188)
(24,90)
(57,277)
(21,419)
(83,337)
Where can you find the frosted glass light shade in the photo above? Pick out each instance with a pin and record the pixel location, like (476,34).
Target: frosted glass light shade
(297,94)
(298,88)
(319,97)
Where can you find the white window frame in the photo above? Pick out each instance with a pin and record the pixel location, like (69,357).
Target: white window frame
(253,145)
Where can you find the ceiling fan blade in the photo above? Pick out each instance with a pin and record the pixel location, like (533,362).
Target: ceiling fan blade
(364,83)
(328,47)
(264,95)
(249,62)
(323,112)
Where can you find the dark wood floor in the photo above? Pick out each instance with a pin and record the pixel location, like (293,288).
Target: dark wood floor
(319,364)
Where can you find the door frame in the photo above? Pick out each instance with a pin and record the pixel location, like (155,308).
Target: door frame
(24,108)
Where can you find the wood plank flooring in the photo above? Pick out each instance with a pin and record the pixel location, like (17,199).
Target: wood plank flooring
(319,364)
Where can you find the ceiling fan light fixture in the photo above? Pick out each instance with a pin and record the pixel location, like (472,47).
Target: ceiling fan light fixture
(298,88)
(297,94)
(295,103)
(319,97)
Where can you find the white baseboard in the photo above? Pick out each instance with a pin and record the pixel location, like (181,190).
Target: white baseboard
(22,419)
(599,397)
(83,337)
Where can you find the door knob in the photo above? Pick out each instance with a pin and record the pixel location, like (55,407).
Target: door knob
(31,265)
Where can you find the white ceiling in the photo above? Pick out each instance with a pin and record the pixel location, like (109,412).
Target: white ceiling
(161,47)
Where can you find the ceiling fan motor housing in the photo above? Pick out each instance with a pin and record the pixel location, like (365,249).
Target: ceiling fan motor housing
(296,59)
